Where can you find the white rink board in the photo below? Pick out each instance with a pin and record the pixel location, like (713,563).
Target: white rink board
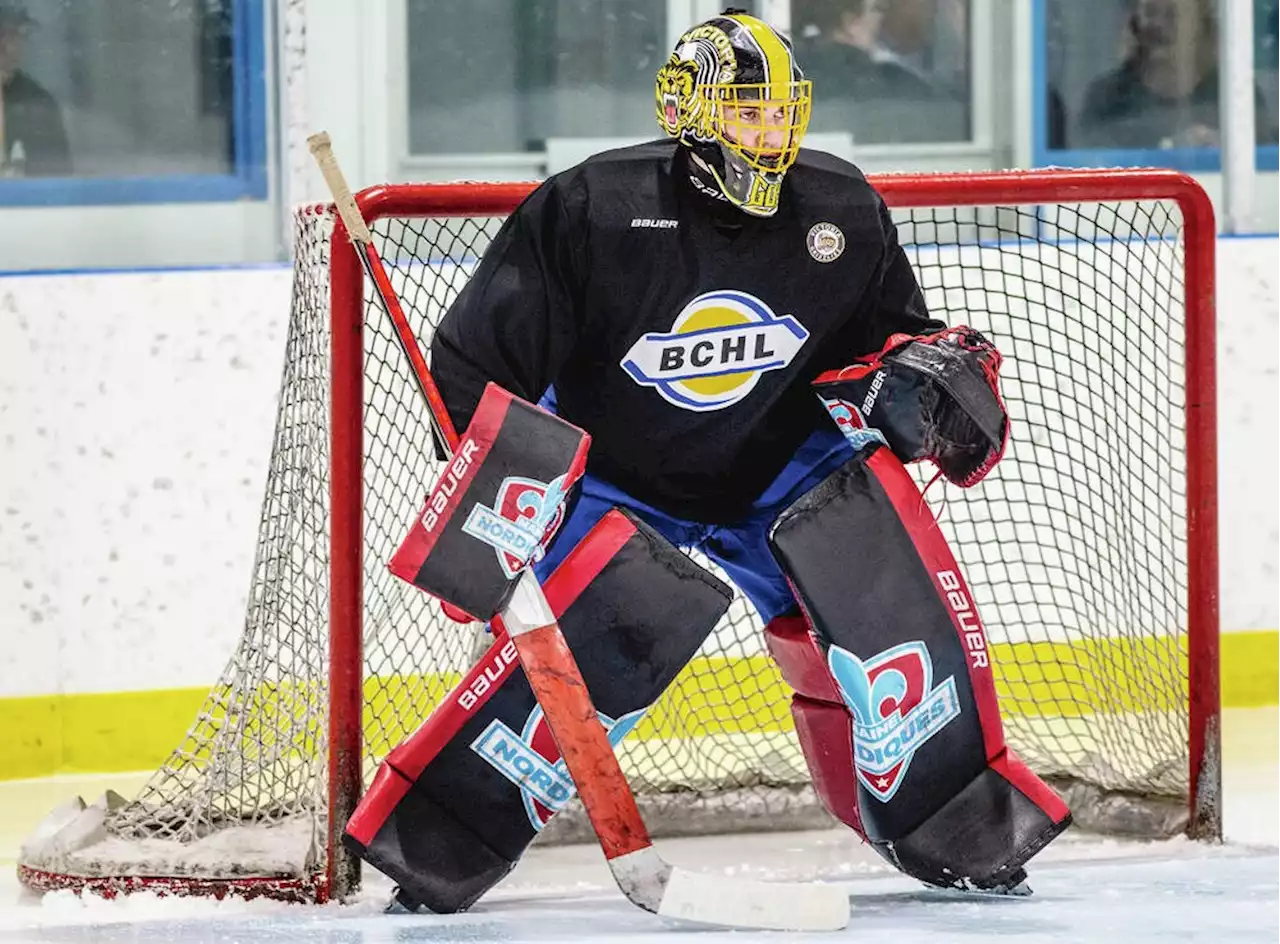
(135,426)
(136,413)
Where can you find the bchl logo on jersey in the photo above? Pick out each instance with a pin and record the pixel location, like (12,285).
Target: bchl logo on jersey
(531,760)
(716,351)
(851,423)
(526,515)
(895,709)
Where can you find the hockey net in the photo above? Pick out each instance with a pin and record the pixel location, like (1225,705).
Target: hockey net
(1091,548)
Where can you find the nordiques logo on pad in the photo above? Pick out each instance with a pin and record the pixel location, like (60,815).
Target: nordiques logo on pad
(716,351)
(531,759)
(896,710)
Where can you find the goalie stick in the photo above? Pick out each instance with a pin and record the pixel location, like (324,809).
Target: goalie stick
(358,230)
(644,877)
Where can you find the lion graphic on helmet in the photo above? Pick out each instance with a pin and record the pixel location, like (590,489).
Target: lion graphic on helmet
(677,103)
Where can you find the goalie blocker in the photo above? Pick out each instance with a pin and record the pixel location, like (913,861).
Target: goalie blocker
(496,507)
(895,705)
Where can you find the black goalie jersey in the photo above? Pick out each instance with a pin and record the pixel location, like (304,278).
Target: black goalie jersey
(679,332)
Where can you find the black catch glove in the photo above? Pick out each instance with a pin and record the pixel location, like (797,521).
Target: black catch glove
(932,397)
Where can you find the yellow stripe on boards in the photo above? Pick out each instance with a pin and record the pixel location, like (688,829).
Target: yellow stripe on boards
(126,731)
(49,734)
(1250,666)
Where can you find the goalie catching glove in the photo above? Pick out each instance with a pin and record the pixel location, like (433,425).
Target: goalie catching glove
(932,397)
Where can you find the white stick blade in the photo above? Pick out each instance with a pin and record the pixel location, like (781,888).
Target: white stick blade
(739,903)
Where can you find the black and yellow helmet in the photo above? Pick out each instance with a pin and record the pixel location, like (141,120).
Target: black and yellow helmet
(734,94)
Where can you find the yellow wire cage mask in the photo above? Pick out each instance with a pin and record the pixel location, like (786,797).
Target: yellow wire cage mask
(762,125)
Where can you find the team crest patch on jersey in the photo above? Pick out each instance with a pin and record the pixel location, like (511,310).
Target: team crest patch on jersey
(526,516)
(825,242)
(895,709)
(716,351)
(531,760)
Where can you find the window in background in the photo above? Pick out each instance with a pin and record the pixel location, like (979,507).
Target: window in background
(888,71)
(502,76)
(1135,76)
(138,101)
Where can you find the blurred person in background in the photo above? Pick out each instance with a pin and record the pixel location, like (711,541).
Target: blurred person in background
(908,39)
(33,142)
(872,64)
(878,48)
(1164,93)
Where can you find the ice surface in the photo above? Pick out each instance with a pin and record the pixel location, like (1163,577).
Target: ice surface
(1086,889)
(1227,895)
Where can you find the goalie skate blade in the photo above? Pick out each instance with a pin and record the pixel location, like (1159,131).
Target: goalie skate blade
(736,903)
(1014,887)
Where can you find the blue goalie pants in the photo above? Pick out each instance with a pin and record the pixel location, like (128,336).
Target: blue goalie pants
(741,548)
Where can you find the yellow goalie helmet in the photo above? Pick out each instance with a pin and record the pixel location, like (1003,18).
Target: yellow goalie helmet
(733,93)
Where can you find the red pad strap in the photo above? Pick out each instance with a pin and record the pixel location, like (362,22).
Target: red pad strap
(456,613)
(824,726)
(800,659)
(825,732)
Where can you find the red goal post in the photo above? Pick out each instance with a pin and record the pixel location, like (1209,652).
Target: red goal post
(1092,548)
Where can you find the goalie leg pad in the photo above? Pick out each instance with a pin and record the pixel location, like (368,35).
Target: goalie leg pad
(938,789)
(454,806)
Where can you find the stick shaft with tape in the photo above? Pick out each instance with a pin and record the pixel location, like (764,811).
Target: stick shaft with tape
(362,239)
(647,880)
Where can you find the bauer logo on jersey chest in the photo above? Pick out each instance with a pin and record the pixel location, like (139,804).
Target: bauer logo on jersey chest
(716,351)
